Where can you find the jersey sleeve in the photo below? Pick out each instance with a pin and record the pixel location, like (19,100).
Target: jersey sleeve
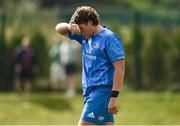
(114,48)
(76,37)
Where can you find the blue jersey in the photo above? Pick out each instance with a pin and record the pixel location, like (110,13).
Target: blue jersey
(98,54)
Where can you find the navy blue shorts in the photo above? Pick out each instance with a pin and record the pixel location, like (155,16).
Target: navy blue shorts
(96,106)
(71,68)
(24,74)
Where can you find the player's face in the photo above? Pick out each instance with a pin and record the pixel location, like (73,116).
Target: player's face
(86,29)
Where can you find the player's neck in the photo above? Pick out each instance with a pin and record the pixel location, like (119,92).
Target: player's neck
(97,29)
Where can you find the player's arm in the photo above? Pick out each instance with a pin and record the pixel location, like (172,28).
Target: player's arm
(63,28)
(119,67)
(117,85)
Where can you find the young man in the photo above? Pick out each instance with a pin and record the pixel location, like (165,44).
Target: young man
(103,65)
(25,62)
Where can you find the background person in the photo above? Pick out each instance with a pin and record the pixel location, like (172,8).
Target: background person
(57,73)
(69,57)
(25,63)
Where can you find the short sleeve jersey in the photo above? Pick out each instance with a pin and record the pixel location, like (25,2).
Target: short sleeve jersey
(98,54)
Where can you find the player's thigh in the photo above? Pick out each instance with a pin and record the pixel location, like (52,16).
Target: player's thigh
(109,123)
(83,123)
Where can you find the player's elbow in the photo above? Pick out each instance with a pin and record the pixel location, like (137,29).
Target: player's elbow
(57,28)
(61,28)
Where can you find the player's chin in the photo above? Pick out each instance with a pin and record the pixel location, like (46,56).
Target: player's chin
(87,36)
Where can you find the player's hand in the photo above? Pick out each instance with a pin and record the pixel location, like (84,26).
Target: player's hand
(74,28)
(112,108)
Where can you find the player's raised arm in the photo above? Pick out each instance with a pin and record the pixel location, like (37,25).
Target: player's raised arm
(63,28)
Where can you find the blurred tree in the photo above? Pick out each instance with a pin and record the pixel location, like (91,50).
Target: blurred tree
(40,45)
(3,54)
(137,43)
(155,60)
(38,17)
(175,53)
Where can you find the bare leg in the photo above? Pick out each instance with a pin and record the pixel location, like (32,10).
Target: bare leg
(28,86)
(82,123)
(17,86)
(109,123)
(71,80)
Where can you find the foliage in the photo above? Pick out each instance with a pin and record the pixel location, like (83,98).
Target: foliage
(39,43)
(155,59)
(140,4)
(150,4)
(24,17)
(159,52)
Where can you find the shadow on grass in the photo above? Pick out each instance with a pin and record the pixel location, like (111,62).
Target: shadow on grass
(57,104)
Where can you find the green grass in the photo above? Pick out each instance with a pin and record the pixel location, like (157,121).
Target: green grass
(55,108)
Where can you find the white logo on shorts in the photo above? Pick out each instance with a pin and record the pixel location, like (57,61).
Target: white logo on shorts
(100,118)
(91,115)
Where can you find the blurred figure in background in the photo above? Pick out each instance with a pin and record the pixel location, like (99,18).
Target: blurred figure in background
(57,75)
(25,65)
(69,57)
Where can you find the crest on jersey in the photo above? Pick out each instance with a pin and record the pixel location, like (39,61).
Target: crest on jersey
(96,45)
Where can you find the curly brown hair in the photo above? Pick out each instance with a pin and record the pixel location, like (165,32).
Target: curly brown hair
(85,14)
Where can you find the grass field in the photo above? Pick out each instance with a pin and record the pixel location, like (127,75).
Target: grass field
(55,108)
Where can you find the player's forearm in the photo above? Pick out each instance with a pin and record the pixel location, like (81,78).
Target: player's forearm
(118,80)
(118,76)
(62,28)
(117,84)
